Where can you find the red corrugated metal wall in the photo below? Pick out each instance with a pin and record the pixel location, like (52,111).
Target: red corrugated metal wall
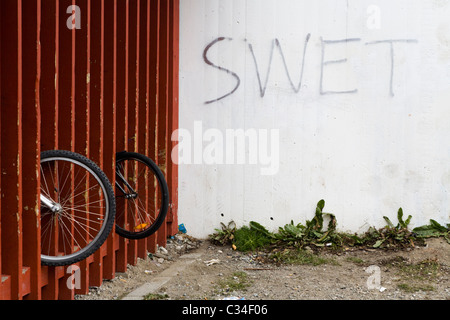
(96,80)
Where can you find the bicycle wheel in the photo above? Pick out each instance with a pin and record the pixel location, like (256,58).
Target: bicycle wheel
(142,196)
(77,207)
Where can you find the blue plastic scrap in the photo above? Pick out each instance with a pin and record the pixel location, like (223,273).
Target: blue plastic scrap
(182,228)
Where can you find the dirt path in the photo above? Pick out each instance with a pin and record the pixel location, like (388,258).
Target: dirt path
(220,272)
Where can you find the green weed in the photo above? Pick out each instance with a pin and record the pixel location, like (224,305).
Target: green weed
(156,296)
(314,234)
(434,229)
(225,235)
(235,282)
(301,257)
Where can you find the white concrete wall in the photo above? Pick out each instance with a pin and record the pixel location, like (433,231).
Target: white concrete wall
(368,130)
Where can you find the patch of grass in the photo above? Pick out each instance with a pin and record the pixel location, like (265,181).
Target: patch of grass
(397,261)
(414,288)
(237,281)
(355,260)
(424,270)
(301,257)
(250,238)
(414,277)
(156,296)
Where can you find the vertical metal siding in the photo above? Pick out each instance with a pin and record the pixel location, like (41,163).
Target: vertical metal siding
(110,86)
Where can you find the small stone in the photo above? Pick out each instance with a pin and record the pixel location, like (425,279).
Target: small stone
(163,250)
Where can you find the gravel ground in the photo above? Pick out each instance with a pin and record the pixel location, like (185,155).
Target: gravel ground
(421,273)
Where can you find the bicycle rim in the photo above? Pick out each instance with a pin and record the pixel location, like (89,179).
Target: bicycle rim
(71,234)
(141,199)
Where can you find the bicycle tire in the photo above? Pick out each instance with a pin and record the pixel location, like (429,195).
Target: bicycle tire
(86,211)
(136,218)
